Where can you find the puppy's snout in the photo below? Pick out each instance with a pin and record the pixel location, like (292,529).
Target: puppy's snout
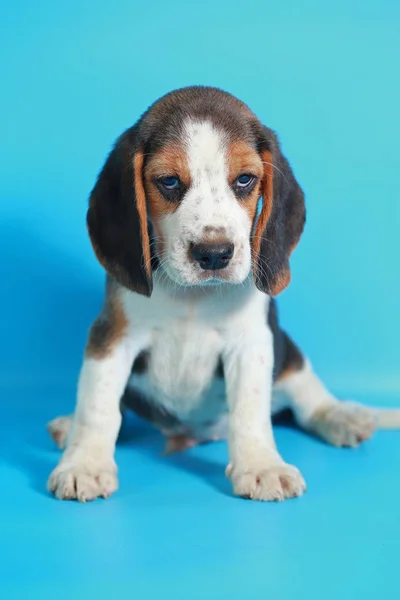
(212,256)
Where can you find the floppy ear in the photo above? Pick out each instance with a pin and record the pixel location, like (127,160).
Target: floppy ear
(117,216)
(281,221)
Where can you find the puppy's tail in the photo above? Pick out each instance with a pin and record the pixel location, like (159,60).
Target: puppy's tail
(386,418)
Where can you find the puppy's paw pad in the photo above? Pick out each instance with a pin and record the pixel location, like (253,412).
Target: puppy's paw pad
(275,483)
(77,482)
(344,424)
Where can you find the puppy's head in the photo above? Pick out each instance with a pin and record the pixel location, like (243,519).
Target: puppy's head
(180,191)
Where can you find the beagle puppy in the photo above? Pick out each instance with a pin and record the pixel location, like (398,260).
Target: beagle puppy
(188,336)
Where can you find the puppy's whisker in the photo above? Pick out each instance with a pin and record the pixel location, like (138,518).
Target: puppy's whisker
(276,168)
(261,237)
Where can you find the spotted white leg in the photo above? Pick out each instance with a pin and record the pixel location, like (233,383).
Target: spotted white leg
(87,468)
(256,469)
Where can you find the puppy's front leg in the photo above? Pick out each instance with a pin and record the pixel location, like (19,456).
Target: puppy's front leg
(87,468)
(256,469)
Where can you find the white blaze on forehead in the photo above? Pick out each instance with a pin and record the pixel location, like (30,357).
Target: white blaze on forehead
(209,207)
(206,152)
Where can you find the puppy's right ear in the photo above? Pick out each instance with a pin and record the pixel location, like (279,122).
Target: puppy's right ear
(117,216)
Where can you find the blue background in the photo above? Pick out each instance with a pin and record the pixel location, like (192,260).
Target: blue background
(325,76)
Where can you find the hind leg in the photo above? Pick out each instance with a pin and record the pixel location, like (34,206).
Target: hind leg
(315,409)
(337,422)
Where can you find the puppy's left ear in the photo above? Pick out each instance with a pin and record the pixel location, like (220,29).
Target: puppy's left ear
(281,221)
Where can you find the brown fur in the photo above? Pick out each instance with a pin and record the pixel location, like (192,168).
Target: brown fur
(142,210)
(250,203)
(108,328)
(267,193)
(242,158)
(158,205)
(168,160)
(282,280)
(290,370)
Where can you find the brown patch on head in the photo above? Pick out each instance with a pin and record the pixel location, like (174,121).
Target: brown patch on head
(171,160)
(108,328)
(243,158)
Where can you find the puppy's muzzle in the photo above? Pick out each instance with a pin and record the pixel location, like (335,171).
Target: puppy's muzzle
(212,256)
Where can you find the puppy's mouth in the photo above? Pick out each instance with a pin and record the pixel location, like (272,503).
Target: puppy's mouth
(193,277)
(211,277)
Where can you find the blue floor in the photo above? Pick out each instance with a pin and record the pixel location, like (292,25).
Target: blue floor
(74,75)
(174,530)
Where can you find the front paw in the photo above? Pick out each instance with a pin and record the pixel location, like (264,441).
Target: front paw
(83,481)
(273,483)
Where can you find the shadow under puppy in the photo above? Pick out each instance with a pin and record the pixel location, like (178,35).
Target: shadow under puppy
(189,336)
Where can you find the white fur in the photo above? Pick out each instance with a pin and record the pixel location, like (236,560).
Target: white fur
(87,468)
(189,329)
(256,468)
(338,423)
(209,202)
(304,393)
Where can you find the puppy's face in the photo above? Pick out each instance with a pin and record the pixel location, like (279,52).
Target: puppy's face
(179,192)
(202,193)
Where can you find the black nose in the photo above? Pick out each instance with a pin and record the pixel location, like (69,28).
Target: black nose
(212,256)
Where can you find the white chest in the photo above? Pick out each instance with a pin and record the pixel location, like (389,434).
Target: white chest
(182,365)
(187,336)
